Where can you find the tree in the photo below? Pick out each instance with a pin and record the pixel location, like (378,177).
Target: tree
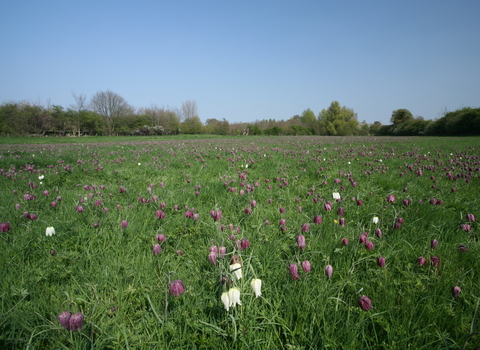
(308,117)
(79,106)
(337,120)
(401,116)
(189,109)
(111,107)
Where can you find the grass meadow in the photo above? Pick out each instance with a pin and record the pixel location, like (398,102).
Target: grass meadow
(265,206)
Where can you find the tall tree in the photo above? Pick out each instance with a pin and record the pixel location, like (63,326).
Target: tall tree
(111,106)
(78,107)
(189,109)
(401,116)
(338,120)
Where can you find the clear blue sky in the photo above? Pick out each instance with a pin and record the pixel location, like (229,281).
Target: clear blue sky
(246,60)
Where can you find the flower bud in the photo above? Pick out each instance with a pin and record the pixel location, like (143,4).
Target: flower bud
(345,241)
(434,243)
(369,245)
(381,261)
(328,270)
(212,257)
(378,233)
(342,222)
(391,198)
(124,223)
(435,261)
(317,219)
(365,303)
(470,217)
(456,291)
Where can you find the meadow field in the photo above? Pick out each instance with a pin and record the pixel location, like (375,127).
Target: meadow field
(239,243)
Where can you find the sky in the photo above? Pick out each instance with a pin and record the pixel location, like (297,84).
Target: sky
(246,60)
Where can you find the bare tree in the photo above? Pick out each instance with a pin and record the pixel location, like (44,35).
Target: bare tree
(79,106)
(111,106)
(189,110)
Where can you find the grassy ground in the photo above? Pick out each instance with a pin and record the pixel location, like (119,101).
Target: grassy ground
(111,275)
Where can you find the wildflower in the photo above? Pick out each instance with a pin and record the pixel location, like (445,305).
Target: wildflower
(369,245)
(177,288)
(317,219)
(340,211)
(306,266)
(470,217)
(462,248)
(465,227)
(222,251)
(225,300)
(345,241)
(256,286)
(124,223)
(50,231)
(160,237)
(434,243)
(375,220)
(76,321)
(216,214)
(391,198)
(365,303)
(301,241)
(328,270)
(282,210)
(327,207)
(244,243)
(305,228)
(435,261)
(456,291)
(253,203)
(234,297)
(336,195)
(378,232)
(33,217)
(157,249)
(160,214)
(212,257)
(79,209)
(283,222)
(294,271)
(342,222)
(381,261)
(359,202)
(421,260)
(236,269)
(64,319)
(4,227)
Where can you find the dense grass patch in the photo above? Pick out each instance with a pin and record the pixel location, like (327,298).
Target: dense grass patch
(109,272)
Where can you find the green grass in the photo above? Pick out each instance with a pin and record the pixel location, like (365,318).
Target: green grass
(111,275)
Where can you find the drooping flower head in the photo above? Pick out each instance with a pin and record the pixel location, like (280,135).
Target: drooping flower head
(76,321)
(328,270)
(234,297)
(456,291)
(301,241)
(49,231)
(365,303)
(381,261)
(177,288)
(256,286)
(157,249)
(306,266)
(64,319)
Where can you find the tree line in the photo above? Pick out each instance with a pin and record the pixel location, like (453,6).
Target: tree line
(107,113)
